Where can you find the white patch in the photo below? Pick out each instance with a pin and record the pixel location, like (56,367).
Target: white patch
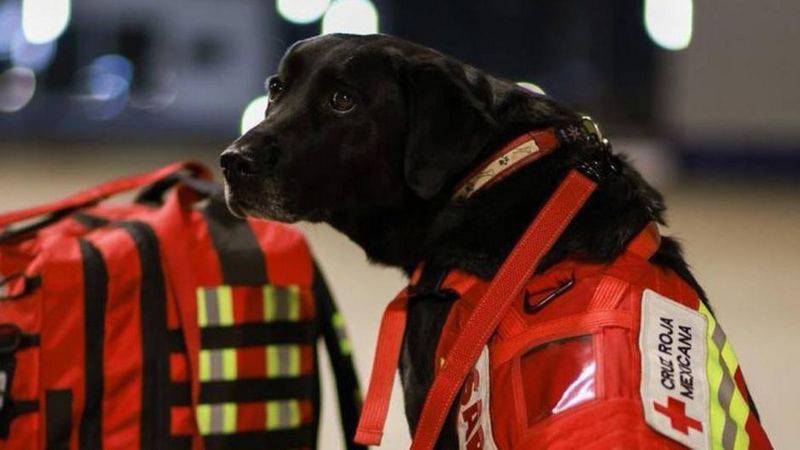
(674,384)
(474,421)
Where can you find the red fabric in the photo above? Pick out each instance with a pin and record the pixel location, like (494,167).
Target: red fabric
(529,376)
(122,360)
(604,303)
(62,328)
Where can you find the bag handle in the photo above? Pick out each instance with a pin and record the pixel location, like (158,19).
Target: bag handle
(99,193)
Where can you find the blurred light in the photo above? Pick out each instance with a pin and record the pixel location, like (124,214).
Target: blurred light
(44,20)
(302,11)
(254,113)
(113,64)
(669,22)
(33,56)
(106,86)
(17,86)
(351,16)
(10,24)
(532,87)
(109,76)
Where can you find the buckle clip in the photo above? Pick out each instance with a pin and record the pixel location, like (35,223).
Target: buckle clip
(593,129)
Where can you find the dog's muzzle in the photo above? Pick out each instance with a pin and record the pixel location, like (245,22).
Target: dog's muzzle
(237,165)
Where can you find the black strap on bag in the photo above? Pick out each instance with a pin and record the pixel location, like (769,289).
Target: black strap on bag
(340,354)
(12,340)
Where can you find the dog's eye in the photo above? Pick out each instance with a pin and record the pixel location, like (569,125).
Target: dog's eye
(342,102)
(275,88)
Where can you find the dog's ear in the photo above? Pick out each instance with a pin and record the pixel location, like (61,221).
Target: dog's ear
(450,120)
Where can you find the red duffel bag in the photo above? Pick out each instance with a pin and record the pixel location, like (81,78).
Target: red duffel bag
(165,323)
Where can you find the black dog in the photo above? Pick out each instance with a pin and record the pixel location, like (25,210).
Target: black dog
(371,134)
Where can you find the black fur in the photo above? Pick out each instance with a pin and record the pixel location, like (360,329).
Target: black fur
(383,174)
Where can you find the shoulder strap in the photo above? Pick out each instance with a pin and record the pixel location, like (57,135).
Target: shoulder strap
(104,191)
(506,286)
(340,354)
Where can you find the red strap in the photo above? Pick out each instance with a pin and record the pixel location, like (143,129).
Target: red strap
(646,243)
(384,366)
(102,192)
(175,221)
(506,286)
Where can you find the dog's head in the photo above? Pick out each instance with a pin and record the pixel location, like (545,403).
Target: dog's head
(367,122)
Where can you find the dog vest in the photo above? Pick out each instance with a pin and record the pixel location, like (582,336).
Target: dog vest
(589,356)
(162,324)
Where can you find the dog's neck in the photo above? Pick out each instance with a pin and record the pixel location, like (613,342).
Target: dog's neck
(477,234)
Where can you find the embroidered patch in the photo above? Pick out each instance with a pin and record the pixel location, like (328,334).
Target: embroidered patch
(674,385)
(474,421)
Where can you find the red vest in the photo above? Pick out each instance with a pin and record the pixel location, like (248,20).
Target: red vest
(589,356)
(599,356)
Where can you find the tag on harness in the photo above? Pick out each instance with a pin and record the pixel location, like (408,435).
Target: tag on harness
(674,384)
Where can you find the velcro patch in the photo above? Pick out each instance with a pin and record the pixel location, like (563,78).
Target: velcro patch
(674,385)
(474,421)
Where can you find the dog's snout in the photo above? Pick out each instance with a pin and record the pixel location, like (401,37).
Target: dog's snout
(234,162)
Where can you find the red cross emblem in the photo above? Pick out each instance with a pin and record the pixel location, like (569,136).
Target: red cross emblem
(676,411)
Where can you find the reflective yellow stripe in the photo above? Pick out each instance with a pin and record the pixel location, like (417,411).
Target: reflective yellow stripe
(714,370)
(283,361)
(205,365)
(225,422)
(738,410)
(225,301)
(202,317)
(203,415)
(294,303)
(282,414)
(229,364)
(268,300)
(218,365)
(229,418)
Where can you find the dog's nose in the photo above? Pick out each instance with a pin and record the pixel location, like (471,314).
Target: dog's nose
(234,162)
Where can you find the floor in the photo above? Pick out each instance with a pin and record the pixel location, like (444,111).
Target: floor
(743,241)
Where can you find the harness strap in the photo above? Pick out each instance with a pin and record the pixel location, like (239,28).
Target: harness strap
(384,366)
(506,286)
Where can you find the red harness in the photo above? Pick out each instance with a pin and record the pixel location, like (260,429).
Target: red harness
(659,370)
(511,278)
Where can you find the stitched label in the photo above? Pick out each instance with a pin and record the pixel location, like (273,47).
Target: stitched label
(474,421)
(674,384)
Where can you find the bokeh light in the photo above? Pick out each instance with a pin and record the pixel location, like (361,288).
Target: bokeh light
(302,11)
(17,86)
(669,22)
(254,113)
(44,20)
(33,56)
(106,86)
(351,16)
(10,23)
